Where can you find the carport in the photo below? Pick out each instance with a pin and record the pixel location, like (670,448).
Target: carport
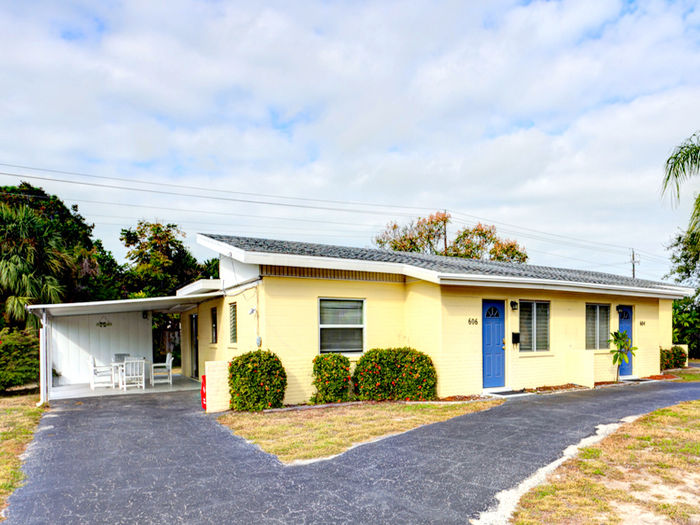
(72,333)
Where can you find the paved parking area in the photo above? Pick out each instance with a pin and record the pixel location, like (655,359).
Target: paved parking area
(159,459)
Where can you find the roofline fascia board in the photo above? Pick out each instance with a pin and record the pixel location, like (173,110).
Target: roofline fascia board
(573,286)
(144,300)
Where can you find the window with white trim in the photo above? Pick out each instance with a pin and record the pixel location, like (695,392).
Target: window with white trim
(597,326)
(341,325)
(534,326)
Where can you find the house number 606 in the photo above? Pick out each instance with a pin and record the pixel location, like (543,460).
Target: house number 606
(473,321)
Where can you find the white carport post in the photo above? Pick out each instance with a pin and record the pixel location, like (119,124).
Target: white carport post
(44,363)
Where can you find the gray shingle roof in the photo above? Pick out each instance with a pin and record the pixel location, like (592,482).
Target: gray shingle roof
(436,263)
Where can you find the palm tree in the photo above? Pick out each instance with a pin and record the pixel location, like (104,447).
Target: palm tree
(684,163)
(33,262)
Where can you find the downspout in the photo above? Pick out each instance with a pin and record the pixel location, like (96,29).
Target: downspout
(44,368)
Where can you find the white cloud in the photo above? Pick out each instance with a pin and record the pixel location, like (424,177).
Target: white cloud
(548,115)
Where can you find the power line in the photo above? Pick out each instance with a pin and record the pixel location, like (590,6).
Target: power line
(217,190)
(518,229)
(562,238)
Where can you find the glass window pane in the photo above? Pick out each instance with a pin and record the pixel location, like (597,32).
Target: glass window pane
(341,339)
(525,326)
(542,325)
(233,323)
(603,326)
(591,334)
(341,312)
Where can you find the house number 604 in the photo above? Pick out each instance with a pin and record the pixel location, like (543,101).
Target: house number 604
(473,321)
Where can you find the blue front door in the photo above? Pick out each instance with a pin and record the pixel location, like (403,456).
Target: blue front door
(625,314)
(493,334)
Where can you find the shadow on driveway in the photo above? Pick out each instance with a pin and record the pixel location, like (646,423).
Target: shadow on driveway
(160,459)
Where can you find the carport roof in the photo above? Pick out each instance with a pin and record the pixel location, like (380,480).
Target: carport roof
(169,304)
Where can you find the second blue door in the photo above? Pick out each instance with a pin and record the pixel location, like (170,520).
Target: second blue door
(625,313)
(493,341)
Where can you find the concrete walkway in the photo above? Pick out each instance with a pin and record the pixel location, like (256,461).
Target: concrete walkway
(159,459)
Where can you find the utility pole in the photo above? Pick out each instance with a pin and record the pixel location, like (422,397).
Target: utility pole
(634,262)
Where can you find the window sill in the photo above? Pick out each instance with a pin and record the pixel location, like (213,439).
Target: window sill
(541,353)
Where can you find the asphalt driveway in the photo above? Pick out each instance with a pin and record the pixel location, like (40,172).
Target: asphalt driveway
(159,459)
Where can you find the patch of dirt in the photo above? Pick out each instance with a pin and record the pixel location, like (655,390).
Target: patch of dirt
(606,383)
(661,377)
(555,388)
(461,398)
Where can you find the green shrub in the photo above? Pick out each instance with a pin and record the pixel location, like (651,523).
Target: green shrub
(679,356)
(257,381)
(395,374)
(674,358)
(666,360)
(19,358)
(332,378)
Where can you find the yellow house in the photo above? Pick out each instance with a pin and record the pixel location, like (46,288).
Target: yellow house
(488,326)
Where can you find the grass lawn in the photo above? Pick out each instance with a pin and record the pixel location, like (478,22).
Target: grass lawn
(19,417)
(646,472)
(688,374)
(322,432)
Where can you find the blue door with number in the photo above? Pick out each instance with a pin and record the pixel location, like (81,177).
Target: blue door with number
(493,341)
(625,314)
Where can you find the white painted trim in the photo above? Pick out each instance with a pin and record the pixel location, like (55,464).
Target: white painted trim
(550,284)
(198,287)
(308,261)
(121,305)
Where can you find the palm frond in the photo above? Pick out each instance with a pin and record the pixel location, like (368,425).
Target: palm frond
(683,163)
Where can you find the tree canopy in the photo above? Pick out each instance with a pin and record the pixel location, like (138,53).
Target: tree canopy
(429,235)
(159,262)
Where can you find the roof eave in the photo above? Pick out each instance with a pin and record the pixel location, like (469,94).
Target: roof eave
(670,292)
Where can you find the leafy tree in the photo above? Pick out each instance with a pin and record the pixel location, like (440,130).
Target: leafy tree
(683,164)
(95,274)
(34,263)
(160,262)
(685,260)
(429,235)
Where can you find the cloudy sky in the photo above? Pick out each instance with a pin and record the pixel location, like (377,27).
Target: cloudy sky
(551,120)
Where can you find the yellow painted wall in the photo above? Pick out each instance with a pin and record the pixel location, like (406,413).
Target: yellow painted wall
(290,321)
(434,320)
(223,349)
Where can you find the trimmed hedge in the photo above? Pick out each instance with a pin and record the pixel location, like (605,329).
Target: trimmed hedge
(257,381)
(19,358)
(332,378)
(674,358)
(395,374)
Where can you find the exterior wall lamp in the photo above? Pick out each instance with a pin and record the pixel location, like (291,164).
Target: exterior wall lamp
(514,305)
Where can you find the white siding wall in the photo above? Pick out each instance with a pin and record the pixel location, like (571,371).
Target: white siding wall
(75,338)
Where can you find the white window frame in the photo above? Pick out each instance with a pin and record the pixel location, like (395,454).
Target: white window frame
(363,325)
(534,326)
(597,326)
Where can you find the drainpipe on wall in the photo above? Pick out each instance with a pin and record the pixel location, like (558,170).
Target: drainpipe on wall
(44,368)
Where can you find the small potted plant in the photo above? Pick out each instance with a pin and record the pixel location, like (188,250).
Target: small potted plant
(623,348)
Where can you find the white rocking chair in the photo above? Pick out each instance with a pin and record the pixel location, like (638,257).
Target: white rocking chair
(102,375)
(164,371)
(133,373)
